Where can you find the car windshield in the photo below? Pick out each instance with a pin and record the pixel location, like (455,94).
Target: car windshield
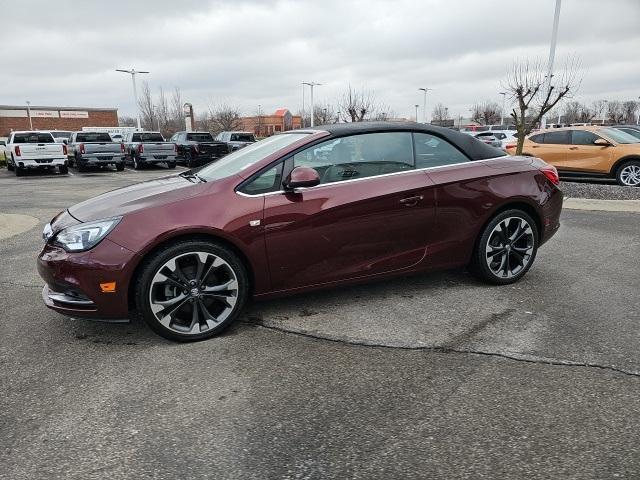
(619,136)
(33,138)
(199,137)
(240,159)
(93,137)
(242,137)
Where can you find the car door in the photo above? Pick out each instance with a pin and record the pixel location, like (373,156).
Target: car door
(372,213)
(585,156)
(554,148)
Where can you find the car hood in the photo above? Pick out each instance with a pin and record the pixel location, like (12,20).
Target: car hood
(135,197)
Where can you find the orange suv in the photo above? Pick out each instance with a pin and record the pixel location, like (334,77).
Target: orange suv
(588,151)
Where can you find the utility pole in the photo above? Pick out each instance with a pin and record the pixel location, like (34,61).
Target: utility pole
(504,96)
(424,104)
(311,85)
(29,115)
(302,123)
(133,73)
(552,54)
(416,105)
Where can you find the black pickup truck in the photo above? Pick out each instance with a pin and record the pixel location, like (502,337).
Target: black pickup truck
(197,148)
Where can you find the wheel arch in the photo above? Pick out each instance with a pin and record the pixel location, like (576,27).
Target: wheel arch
(620,161)
(207,236)
(517,204)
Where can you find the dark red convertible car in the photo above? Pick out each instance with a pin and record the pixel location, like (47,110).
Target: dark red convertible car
(301,210)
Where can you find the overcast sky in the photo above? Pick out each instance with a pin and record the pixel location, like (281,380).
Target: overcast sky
(247,53)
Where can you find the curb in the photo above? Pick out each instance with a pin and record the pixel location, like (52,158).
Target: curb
(602,205)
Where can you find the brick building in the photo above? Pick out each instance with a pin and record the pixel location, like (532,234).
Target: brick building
(266,125)
(16,117)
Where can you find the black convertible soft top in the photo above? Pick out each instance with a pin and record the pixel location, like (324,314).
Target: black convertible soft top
(473,148)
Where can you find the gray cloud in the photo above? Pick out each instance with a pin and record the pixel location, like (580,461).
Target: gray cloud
(257,52)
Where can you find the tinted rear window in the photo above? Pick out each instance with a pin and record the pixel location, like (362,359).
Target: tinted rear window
(147,137)
(557,138)
(33,138)
(93,137)
(199,137)
(242,137)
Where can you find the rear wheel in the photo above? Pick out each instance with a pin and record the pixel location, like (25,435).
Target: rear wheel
(191,290)
(120,166)
(10,166)
(136,163)
(506,248)
(628,174)
(171,165)
(19,171)
(63,169)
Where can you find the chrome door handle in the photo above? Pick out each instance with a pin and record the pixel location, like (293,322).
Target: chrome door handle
(411,201)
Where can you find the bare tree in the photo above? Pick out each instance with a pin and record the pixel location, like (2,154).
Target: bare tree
(599,107)
(630,108)
(440,114)
(147,108)
(486,113)
(576,112)
(176,112)
(356,106)
(224,118)
(526,85)
(615,112)
(162,112)
(323,114)
(126,121)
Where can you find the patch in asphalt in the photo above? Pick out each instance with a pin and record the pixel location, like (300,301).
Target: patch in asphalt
(13,224)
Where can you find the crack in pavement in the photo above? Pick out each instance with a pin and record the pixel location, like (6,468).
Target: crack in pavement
(519,357)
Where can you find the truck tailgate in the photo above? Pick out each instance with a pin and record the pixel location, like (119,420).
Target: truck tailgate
(41,151)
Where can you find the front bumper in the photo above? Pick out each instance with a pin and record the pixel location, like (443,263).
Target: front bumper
(73,280)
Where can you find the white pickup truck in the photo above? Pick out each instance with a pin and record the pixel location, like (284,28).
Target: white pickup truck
(34,150)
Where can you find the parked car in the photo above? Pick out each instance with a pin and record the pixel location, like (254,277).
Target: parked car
(633,130)
(197,148)
(147,148)
(274,218)
(94,149)
(502,137)
(587,151)
(236,140)
(489,138)
(34,150)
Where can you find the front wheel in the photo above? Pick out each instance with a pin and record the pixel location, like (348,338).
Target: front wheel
(628,174)
(191,290)
(506,248)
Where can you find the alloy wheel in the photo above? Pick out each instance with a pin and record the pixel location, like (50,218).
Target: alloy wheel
(630,175)
(193,292)
(510,247)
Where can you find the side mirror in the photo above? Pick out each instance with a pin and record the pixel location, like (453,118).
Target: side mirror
(602,142)
(301,177)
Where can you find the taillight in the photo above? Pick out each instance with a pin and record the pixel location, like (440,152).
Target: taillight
(175,148)
(194,148)
(122,147)
(82,148)
(510,145)
(551,173)
(64,149)
(17,150)
(140,148)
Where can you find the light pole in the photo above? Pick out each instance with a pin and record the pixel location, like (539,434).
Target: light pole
(29,115)
(416,105)
(638,120)
(302,122)
(424,104)
(504,96)
(133,73)
(311,85)
(552,53)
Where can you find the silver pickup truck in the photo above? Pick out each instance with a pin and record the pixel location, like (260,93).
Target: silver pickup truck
(94,149)
(147,148)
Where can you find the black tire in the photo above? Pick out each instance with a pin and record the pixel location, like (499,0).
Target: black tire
(19,171)
(522,251)
(9,164)
(136,164)
(63,169)
(145,288)
(189,162)
(81,167)
(171,165)
(628,174)
(120,166)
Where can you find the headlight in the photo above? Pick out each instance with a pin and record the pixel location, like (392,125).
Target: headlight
(85,235)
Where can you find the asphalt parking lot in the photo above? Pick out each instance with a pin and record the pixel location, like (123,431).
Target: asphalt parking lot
(429,376)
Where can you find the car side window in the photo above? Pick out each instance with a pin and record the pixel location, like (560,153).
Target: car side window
(557,138)
(583,137)
(432,151)
(539,138)
(358,156)
(267,181)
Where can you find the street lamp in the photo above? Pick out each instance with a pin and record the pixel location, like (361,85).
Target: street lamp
(504,96)
(133,73)
(311,85)
(638,120)
(424,104)
(416,105)
(552,53)
(29,115)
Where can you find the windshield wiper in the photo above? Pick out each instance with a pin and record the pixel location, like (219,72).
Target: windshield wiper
(190,176)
